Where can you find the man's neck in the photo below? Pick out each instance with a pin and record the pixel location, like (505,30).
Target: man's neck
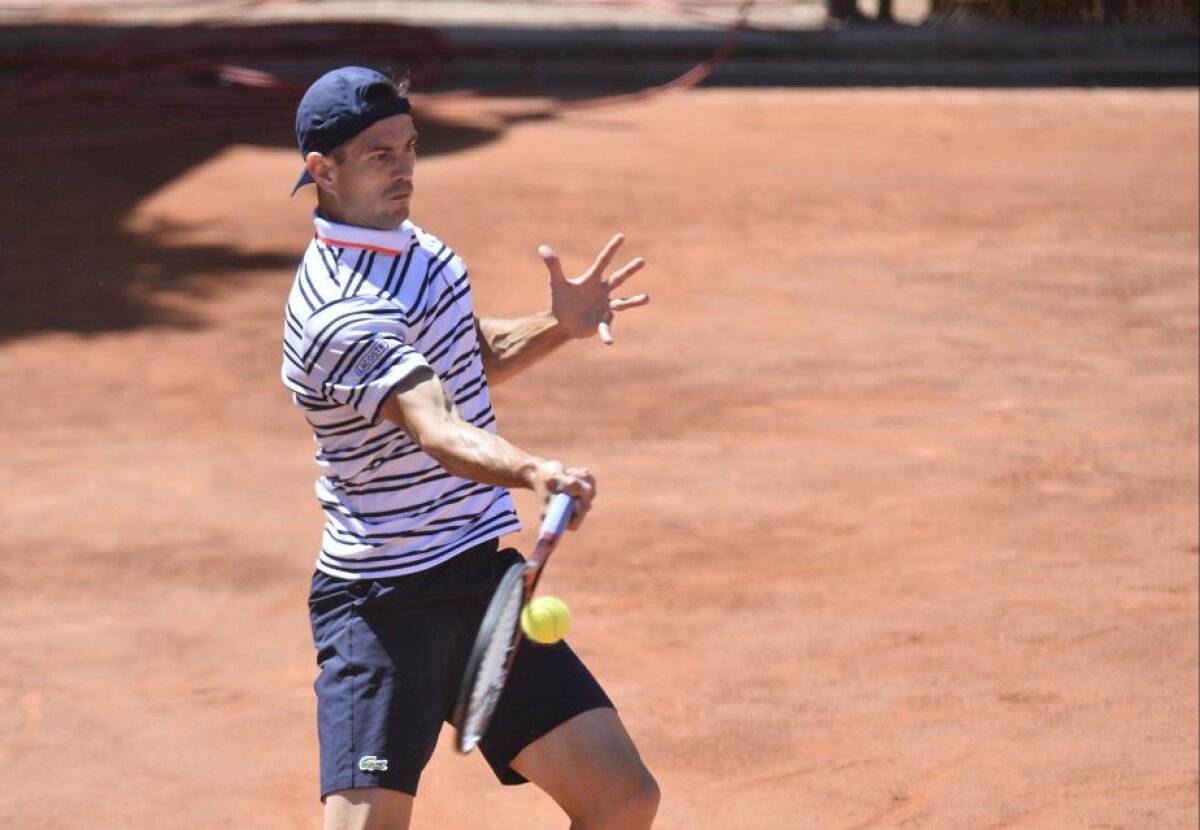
(330,213)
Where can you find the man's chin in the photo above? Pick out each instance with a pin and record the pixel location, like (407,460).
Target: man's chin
(388,218)
(399,214)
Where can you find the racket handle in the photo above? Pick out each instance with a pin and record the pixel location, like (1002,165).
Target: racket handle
(562,505)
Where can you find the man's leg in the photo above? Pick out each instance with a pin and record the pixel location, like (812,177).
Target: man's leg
(591,768)
(372,808)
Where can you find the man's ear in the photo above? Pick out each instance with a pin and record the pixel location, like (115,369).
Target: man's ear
(321,168)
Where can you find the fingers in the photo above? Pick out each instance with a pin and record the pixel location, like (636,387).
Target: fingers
(585,305)
(582,485)
(552,477)
(625,273)
(553,265)
(629,302)
(605,327)
(602,261)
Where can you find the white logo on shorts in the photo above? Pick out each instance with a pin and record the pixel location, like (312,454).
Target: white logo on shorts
(369,763)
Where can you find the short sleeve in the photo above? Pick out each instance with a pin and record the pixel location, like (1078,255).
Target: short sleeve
(356,352)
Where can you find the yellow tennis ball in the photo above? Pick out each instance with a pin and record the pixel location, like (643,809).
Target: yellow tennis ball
(546,620)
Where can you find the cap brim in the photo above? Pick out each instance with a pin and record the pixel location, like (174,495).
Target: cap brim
(303,180)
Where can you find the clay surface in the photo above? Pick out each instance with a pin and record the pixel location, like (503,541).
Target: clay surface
(897,522)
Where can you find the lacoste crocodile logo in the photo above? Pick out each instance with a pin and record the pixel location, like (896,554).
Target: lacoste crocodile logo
(369,763)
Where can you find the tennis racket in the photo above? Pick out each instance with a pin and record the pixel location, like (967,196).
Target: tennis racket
(500,632)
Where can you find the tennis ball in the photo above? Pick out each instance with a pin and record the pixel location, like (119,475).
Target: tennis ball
(546,620)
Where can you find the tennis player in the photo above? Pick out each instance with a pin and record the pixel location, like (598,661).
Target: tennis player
(389,364)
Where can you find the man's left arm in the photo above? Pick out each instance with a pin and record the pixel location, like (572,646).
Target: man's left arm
(579,308)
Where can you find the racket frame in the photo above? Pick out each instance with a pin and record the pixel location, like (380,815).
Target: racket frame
(558,514)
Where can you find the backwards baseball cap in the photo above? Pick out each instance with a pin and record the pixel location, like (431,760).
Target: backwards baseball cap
(340,105)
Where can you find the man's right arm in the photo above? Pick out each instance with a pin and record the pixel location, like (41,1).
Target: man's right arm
(422,408)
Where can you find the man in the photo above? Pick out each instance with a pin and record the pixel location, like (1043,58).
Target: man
(385,357)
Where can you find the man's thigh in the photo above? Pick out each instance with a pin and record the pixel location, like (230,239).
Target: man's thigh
(587,764)
(372,808)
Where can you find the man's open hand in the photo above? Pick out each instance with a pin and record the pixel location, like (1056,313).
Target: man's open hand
(585,304)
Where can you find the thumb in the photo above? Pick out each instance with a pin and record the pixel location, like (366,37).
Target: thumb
(552,264)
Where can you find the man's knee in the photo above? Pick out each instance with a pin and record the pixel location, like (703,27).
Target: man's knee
(630,803)
(643,800)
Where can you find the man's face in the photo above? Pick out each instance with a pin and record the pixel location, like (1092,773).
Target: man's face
(371,175)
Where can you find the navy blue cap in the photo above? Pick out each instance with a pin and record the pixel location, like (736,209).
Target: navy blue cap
(340,105)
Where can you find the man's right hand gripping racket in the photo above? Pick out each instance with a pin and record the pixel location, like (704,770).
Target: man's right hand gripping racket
(500,632)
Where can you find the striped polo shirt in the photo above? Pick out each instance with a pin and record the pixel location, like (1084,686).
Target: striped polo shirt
(369,307)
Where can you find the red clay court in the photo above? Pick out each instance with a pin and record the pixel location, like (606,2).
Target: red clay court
(897,522)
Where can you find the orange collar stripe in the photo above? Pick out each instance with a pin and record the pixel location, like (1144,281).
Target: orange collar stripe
(340,244)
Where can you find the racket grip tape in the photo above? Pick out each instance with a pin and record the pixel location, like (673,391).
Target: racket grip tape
(558,514)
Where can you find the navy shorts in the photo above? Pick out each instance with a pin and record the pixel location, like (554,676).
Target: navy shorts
(392,654)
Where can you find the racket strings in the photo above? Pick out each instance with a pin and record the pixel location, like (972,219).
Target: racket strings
(489,682)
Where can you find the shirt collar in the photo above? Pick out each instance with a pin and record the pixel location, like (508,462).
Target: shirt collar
(395,241)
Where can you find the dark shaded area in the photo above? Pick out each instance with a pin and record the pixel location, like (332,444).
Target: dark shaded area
(73,61)
(73,172)
(1068,12)
(80,155)
(988,56)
